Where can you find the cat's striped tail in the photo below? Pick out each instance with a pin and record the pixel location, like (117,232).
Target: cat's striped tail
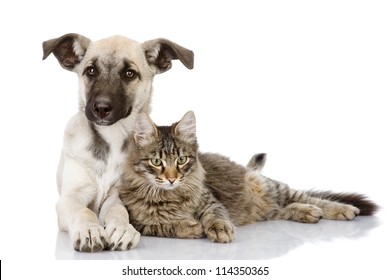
(360,201)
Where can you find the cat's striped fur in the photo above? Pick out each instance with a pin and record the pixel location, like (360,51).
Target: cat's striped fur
(170,189)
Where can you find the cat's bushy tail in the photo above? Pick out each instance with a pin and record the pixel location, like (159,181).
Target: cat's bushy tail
(360,201)
(257,162)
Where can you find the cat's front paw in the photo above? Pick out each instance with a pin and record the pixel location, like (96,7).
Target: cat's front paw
(220,231)
(191,229)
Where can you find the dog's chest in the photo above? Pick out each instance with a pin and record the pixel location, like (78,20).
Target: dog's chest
(108,172)
(108,169)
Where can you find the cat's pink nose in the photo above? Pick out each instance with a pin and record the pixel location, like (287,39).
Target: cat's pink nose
(171,180)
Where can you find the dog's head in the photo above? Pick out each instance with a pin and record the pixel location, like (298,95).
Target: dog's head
(115,73)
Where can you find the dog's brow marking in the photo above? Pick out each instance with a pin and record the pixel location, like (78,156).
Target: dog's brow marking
(93,61)
(129,63)
(90,63)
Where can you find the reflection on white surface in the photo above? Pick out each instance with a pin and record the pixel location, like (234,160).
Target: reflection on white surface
(265,240)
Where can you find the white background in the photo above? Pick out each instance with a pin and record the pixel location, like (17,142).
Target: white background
(307,82)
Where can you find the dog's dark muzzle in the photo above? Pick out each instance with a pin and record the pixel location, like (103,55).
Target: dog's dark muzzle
(104,111)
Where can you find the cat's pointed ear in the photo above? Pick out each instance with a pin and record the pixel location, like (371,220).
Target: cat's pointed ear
(186,127)
(144,131)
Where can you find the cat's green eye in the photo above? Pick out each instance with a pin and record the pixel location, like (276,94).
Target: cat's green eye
(181,160)
(156,162)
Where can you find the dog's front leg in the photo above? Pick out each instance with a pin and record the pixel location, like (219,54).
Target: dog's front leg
(77,192)
(115,218)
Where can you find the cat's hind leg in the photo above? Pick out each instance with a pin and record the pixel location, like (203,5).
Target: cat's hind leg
(332,210)
(339,211)
(300,212)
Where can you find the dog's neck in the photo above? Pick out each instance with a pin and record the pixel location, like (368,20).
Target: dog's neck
(117,133)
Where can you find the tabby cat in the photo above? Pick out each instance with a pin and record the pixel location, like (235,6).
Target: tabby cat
(172,190)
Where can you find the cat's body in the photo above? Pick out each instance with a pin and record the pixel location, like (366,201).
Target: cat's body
(172,190)
(251,197)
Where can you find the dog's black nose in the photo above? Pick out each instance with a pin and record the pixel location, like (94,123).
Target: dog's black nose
(102,109)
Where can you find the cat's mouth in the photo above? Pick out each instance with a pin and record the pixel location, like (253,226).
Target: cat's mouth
(168,185)
(168,182)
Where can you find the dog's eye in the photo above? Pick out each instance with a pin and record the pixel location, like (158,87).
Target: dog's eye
(91,71)
(129,73)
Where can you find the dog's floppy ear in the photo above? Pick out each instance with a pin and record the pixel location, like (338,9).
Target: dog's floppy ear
(69,49)
(160,52)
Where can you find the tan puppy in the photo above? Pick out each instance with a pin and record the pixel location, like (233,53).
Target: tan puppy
(115,77)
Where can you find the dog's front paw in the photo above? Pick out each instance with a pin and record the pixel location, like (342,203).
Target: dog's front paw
(91,238)
(122,236)
(220,231)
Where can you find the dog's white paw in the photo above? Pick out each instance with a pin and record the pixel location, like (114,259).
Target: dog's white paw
(122,236)
(91,238)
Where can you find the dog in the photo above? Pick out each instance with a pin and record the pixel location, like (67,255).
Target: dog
(115,79)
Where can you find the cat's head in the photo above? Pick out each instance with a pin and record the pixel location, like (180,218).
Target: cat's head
(168,154)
